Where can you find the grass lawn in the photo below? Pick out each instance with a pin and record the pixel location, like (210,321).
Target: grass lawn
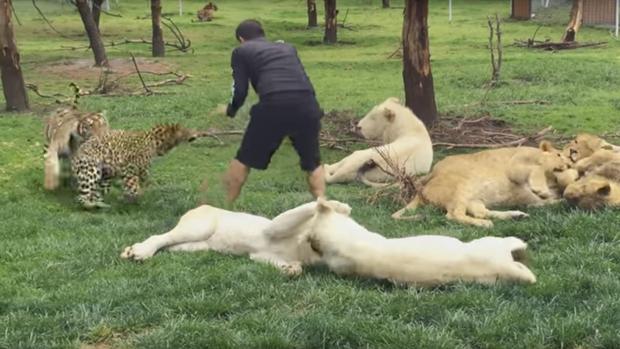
(63,285)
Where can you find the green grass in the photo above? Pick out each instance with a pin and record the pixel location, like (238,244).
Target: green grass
(62,284)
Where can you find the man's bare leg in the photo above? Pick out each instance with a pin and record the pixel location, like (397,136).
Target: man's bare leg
(316,182)
(234,179)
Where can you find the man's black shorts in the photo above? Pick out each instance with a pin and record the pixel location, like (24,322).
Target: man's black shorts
(296,115)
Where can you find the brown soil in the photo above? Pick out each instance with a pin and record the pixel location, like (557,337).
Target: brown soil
(449,132)
(83,69)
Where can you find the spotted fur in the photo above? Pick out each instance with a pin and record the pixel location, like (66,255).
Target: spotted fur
(123,154)
(65,130)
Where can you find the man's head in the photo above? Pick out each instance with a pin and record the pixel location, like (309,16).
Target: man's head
(248,30)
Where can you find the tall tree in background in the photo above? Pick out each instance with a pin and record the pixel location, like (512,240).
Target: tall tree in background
(159,49)
(417,76)
(576,17)
(97,11)
(312,18)
(12,78)
(92,31)
(331,24)
(386,3)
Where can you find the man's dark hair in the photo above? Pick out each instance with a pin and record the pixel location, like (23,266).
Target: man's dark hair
(249,29)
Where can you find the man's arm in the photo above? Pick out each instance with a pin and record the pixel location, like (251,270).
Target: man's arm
(240,83)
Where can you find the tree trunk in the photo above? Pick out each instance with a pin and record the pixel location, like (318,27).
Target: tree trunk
(159,49)
(93,33)
(331,27)
(576,17)
(417,76)
(386,3)
(97,11)
(312,19)
(12,79)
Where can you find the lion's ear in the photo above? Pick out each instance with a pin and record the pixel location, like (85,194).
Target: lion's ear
(389,114)
(604,190)
(546,146)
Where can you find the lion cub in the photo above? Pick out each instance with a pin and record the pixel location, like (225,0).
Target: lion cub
(536,170)
(466,185)
(586,144)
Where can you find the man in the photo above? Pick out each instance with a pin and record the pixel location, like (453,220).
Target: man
(287,107)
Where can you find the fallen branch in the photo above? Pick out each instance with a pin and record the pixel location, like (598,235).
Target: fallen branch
(131,41)
(398,52)
(516,143)
(555,46)
(147,91)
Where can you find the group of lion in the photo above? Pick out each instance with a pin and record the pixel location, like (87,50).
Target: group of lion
(585,172)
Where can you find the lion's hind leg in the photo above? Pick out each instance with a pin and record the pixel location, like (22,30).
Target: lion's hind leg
(412,206)
(459,213)
(479,210)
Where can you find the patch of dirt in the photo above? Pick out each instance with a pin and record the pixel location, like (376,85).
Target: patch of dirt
(82,69)
(449,132)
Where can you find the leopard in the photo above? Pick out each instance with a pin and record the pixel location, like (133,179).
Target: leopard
(66,129)
(126,155)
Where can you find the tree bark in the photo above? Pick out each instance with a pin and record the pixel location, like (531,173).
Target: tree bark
(576,18)
(97,11)
(417,75)
(386,3)
(159,49)
(12,79)
(331,24)
(312,18)
(93,33)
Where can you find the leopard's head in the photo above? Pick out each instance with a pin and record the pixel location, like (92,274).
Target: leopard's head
(168,136)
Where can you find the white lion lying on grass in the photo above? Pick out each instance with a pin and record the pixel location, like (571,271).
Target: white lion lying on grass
(428,260)
(406,143)
(275,242)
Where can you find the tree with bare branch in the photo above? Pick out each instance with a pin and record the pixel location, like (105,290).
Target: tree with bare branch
(94,37)
(312,17)
(12,79)
(576,18)
(331,24)
(417,75)
(158,48)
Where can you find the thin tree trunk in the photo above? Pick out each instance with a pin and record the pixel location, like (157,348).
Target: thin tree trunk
(12,80)
(159,49)
(312,18)
(331,23)
(386,3)
(576,17)
(417,75)
(97,11)
(93,33)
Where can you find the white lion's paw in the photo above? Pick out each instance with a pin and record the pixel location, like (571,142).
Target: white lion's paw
(138,252)
(292,269)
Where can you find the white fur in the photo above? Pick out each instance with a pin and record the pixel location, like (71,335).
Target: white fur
(406,143)
(209,228)
(426,260)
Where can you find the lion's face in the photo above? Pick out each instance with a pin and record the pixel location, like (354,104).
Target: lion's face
(593,192)
(586,144)
(553,159)
(377,120)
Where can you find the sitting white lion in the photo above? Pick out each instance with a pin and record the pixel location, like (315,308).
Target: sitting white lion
(275,242)
(428,260)
(406,143)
